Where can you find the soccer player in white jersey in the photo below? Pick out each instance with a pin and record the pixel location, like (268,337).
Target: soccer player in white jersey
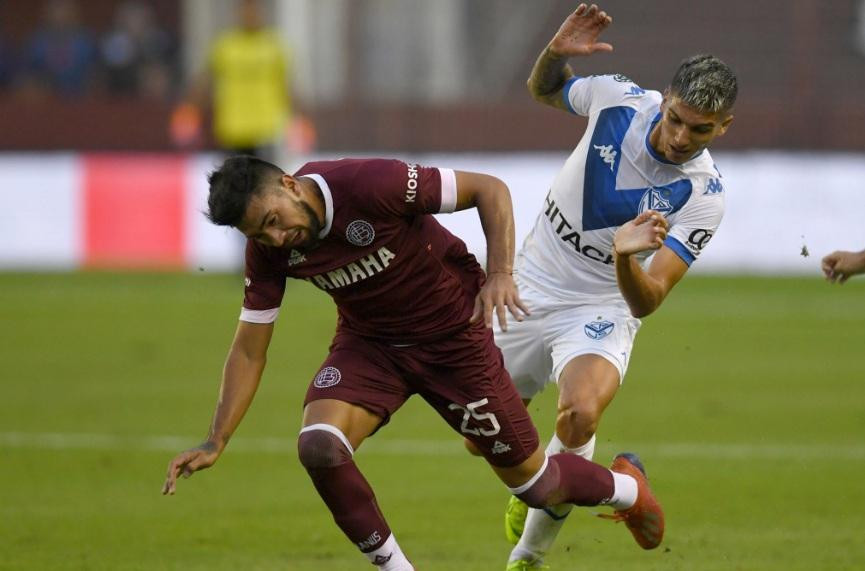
(640,182)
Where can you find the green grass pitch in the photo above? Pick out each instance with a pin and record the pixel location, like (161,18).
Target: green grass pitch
(745,398)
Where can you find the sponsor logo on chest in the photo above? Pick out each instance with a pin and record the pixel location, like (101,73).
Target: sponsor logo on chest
(565,230)
(355,271)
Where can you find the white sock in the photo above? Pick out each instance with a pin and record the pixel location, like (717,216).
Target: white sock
(587,450)
(542,526)
(389,557)
(624,491)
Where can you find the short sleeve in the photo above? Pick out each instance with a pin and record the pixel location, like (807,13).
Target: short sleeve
(586,95)
(696,225)
(407,189)
(264,286)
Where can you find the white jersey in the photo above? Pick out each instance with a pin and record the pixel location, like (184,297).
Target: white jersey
(612,176)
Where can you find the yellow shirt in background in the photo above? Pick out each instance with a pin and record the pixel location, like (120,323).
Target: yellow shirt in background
(251,104)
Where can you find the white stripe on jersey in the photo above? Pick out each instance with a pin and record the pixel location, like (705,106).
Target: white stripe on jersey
(259,315)
(449,191)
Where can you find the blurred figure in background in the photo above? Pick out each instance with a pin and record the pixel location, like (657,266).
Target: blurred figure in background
(137,54)
(840,265)
(247,78)
(7,65)
(59,57)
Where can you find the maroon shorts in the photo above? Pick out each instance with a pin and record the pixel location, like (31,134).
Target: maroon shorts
(462,377)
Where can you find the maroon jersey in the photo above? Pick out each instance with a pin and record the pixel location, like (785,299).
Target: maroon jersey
(394,272)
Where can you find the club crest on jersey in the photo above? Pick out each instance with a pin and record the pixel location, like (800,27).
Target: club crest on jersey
(599,329)
(360,233)
(656,199)
(295,258)
(327,377)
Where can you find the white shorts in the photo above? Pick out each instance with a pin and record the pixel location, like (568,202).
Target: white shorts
(537,349)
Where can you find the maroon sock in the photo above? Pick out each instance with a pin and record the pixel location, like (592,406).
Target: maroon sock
(582,482)
(570,479)
(343,488)
(352,503)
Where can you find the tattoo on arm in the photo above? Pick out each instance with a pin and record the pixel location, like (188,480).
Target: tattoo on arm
(549,74)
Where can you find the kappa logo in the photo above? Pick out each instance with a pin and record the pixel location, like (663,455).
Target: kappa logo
(599,329)
(607,154)
(500,447)
(714,186)
(360,233)
(381,559)
(656,199)
(247,282)
(295,258)
(327,377)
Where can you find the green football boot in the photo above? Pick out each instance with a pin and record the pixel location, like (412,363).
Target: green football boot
(515,520)
(524,565)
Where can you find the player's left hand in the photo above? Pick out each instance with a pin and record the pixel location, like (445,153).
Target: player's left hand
(645,232)
(499,292)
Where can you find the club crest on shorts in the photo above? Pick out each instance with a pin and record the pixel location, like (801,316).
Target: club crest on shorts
(598,329)
(360,233)
(327,377)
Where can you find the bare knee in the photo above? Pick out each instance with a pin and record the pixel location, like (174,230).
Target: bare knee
(577,422)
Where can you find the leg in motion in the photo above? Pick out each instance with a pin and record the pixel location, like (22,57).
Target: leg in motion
(587,385)
(332,430)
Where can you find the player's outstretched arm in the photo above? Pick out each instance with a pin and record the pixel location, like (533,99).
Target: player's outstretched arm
(493,201)
(242,373)
(644,291)
(839,266)
(577,36)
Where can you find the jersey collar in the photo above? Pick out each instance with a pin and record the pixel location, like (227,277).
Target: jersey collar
(328,203)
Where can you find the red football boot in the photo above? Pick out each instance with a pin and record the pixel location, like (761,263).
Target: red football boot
(645,519)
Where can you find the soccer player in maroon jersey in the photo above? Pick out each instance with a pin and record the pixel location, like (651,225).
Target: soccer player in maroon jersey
(415,316)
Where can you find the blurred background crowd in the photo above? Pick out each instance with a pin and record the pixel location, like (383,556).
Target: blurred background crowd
(413,75)
(113,111)
(71,50)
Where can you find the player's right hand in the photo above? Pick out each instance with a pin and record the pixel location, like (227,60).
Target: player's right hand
(579,33)
(188,462)
(498,295)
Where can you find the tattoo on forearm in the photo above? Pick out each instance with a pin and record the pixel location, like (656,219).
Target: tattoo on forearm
(550,73)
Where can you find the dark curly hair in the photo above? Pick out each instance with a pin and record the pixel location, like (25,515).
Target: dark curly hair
(233,184)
